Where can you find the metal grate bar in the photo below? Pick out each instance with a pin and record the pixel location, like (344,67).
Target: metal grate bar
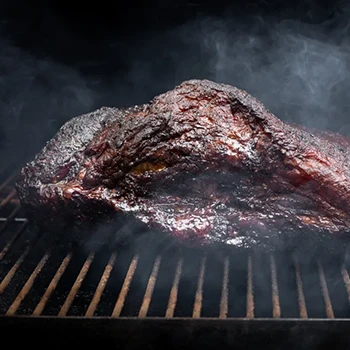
(346,280)
(250,290)
(325,292)
(7,198)
(197,307)
(9,218)
(2,219)
(52,286)
(301,296)
(27,286)
(76,286)
(101,286)
(174,290)
(224,291)
(8,180)
(13,239)
(276,308)
(7,279)
(125,288)
(150,287)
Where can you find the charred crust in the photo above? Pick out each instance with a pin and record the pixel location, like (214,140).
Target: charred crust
(204,161)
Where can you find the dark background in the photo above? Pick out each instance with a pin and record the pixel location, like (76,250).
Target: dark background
(61,59)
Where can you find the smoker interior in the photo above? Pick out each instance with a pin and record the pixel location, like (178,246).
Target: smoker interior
(141,281)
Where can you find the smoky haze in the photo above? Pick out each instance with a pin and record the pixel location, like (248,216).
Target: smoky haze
(300,71)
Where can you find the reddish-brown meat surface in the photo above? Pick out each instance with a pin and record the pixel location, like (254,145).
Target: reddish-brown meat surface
(204,162)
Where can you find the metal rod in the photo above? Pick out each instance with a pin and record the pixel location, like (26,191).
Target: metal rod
(8,180)
(125,288)
(346,279)
(7,198)
(301,296)
(76,286)
(9,218)
(101,286)
(21,220)
(174,290)
(224,292)
(325,292)
(250,289)
(3,219)
(52,286)
(276,308)
(13,240)
(197,307)
(7,279)
(150,287)
(27,286)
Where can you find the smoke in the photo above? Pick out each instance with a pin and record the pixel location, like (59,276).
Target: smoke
(36,95)
(300,71)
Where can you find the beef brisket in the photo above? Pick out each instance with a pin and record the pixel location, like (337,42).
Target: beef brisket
(204,162)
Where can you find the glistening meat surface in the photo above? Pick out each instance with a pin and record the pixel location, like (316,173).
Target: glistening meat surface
(204,162)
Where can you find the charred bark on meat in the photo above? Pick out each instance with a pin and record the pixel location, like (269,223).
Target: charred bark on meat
(204,162)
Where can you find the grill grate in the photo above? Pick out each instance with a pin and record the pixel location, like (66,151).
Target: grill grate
(150,275)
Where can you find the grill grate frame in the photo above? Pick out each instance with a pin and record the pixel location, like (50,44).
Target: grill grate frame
(42,275)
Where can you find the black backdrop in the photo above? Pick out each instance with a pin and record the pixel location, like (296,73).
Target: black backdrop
(60,59)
